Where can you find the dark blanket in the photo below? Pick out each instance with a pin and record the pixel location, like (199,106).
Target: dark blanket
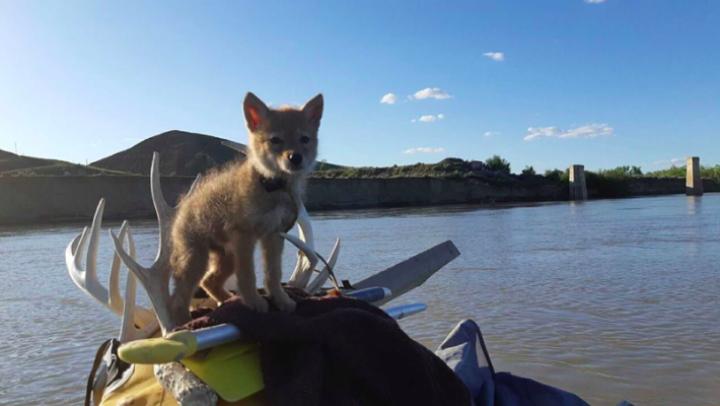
(339,351)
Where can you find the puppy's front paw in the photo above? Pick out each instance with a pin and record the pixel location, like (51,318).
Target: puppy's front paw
(283,302)
(256,302)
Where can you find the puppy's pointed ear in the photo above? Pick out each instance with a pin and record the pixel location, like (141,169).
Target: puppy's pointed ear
(256,112)
(313,110)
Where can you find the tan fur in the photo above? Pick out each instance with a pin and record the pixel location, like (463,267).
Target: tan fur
(217,227)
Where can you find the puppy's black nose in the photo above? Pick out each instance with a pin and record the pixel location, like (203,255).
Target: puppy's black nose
(295,158)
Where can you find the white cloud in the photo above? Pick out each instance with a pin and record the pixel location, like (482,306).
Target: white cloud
(495,56)
(586,131)
(430,93)
(389,98)
(424,150)
(428,118)
(488,134)
(595,1)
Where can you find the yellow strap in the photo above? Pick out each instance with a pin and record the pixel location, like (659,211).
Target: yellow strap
(161,350)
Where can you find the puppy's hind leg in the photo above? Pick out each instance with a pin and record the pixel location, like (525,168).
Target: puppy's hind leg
(220,269)
(272,246)
(244,265)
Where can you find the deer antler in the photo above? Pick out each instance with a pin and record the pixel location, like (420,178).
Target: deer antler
(327,270)
(307,259)
(137,322)
(185,387)
(313,257)
(156,278)
(86,278)
(129,331)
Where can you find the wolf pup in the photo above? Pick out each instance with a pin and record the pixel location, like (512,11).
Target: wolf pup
(217,226)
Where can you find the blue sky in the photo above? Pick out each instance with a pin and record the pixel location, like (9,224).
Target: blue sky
(542,83)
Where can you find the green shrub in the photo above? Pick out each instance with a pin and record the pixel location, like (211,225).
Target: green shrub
(557,175)
(621,172)
(497,164)
(707,172)
(528,171)
(608,183)
(711,172)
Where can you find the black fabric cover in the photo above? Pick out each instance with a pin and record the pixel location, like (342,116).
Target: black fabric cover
(340,351)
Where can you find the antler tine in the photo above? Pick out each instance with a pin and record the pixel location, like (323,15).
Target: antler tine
(72,260)
(128,331)
(195,183)
(164,212)
(132,315)
(320,280)
(86,279)
(306,257)
(129,328)
(309,255)
(114,281)
(156,278)
(91,280)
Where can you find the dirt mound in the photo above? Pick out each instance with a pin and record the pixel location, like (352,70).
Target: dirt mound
(182,154)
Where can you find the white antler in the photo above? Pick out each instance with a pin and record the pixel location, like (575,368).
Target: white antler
(185,387)
(312,258)
(86,278)
(307,259)
(137,322)
(323,276)
(129,330)
(156,278)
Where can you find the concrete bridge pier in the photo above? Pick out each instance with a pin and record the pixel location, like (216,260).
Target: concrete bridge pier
(578,188)
(693,181)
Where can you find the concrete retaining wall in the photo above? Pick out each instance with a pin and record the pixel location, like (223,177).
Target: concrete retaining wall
(28,200)
(36,200)
(604,188)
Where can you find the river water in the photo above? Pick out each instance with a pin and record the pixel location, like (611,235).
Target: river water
(611,299)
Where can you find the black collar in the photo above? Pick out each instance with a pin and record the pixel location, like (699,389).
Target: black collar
(273,184)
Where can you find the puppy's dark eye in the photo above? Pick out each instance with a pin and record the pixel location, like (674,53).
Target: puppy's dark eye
(304,139)
(276,140)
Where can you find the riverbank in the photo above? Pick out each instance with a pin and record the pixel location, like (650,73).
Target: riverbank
(58,199)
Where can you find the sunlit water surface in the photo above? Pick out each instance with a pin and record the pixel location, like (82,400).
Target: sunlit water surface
(613,299)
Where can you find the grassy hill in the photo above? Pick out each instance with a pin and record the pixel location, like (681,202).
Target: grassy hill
(182,154)
(10,161)
(18,165)
(61,168)
(447,168)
